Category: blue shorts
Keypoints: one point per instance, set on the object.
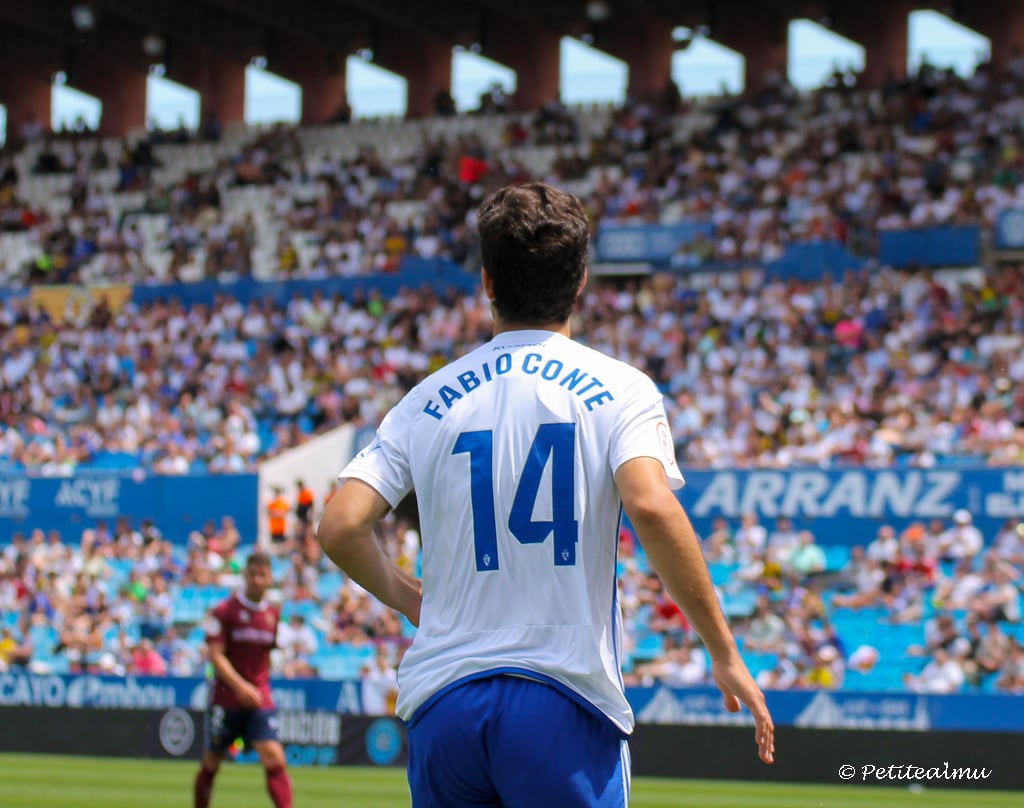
(224, 725)
(510, 742)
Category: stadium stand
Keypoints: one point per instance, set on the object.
(871, 366)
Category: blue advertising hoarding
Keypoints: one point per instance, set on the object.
(177, 505)
(811, 260)
(416, 272)
(846, 506)
(652, 705)
(842, 506)
(647, 242)
(823, 709)
(930, 246)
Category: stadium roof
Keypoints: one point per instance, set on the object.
(46, 35)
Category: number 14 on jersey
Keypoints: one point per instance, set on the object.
(555, 443)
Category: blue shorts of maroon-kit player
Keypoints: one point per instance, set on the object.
(224, 725)
(505, 741)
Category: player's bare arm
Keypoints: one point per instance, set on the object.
(675, 554)
(247, 693)
(346, 534)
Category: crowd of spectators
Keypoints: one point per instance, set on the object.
(876, 368)
(935, 605)
(110, 603)
(767, 170)
(871, 369)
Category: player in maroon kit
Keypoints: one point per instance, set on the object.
(240, 634)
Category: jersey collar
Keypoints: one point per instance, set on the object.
(250, 604)
(526, 336)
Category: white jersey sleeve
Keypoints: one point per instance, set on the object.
(384, 464)
(642, 430)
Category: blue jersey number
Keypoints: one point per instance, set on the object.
(556, 442)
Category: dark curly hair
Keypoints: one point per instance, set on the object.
(533, 240)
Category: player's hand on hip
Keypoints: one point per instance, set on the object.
(250, 695)
(738, 686)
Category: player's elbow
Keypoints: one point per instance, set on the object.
(349, 518)
(338, 530)
(651, 507)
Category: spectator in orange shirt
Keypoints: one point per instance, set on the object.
(277, 513)
(304, 506)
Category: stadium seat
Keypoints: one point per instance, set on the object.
(721, 574)
(329, 584)
(649, 647)
(836, 557)
(343, 662)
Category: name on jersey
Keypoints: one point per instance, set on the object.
(584, 385)
(250, 634)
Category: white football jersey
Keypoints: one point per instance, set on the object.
(512, 451)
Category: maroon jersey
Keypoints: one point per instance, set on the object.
(248, 631)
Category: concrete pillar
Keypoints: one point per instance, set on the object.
(1002, 21)
(532, 51)
(645, 44)
(324, 95)
(121, 90)
(219, 81)
(882, 28)
(424, 63)
(762, 36)
(28, 97)
(320, 74)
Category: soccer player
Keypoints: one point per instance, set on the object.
(240, 634)
(522, 454)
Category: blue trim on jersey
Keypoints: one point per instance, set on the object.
(564, 689)
(615, 600)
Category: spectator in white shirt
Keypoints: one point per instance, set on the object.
(750, 539)
(942, 674)
(963, 540)
(298, 642)
(1009, 544)
(682, 666)
(885, 547)
(379, 687)
(1000, 599)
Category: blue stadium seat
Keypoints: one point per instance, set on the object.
(188, 606)
(649, 646)
(210, 596)
(721, 574)
(758, 661)
(344, 662)
(740, 604)
(44, 639)
(308, 609)
(329, 584)
(836, 557)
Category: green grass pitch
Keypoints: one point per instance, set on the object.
(34, 781)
